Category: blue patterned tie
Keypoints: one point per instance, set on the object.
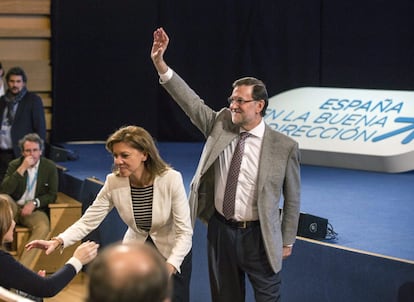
(233, 176)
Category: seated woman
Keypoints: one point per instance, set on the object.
(13, 275)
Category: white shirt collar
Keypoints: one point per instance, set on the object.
(258, 130)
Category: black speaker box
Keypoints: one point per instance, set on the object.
(311, 226)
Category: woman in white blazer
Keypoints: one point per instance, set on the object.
(150, 198)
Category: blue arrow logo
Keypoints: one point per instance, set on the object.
(410, 127)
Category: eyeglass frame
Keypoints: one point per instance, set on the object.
(240, 102)
(32, 150)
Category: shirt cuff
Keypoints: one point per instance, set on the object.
(165, 77)
(75, 263)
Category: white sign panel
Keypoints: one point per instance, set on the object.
(350, 128)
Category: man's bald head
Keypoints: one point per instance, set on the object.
(128, 272)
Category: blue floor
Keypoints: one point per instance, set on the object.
(371, 212)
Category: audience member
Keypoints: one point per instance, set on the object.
(247, 232)
(21, 112)
(128, 272)
(150, 198)
(30, 184)
(13, 275)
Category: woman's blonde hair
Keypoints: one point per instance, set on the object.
(139, 138)
(6, 218)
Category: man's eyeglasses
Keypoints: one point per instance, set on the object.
(239, 102)
(31, 150)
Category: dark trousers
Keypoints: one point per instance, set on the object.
(181, 281)
(233, 253)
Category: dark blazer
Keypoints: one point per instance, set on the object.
(15, 275)
(279, 171)
(29, 118)
(47, 182)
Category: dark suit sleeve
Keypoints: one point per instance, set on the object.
(30, 117)
(38, 117)
(21, 278)
(13, 183)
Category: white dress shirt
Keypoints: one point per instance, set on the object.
(246, 192)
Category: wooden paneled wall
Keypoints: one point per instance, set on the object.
(25, 33)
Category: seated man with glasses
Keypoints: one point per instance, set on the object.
(30, 184)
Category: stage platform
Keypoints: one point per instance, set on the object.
(372, 258)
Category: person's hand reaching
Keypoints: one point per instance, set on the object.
(48, 245)
(86, 252)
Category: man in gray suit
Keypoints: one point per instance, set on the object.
(257, 235)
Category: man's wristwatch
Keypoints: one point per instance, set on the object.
(36, 203)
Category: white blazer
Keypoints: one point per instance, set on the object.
(171, 228)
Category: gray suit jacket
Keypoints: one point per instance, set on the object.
(279, 171)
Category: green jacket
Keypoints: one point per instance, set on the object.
(47, 182)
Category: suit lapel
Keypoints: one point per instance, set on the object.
(20, 108)
(217, 147)
(269, 148)
(217, 141)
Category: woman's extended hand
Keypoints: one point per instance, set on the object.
(171, 269)
(48, 245)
